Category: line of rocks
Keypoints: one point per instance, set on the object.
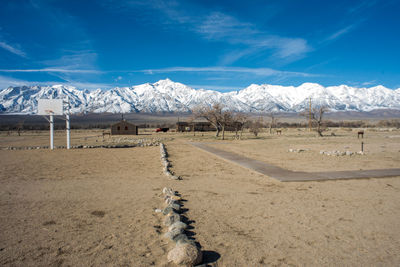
(81, 146)
(166, 163)
(340, 153)
(185, 252)
(297, 150)
(132, 140)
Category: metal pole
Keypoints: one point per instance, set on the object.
(67, 126)
(51, 132)
(68, 131)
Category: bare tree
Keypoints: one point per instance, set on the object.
(273, 122)
(239, 120)
(20, 127)
(316, 115)
(226, 120)
(256, 126)
(215, 115)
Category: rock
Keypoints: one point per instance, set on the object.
(185, 254)
(174, 206)
(170, 201)
(172, 218)
(179, 225)
(168, 210)
(182, 239)
(173, 233)
(174, 197)
(167, 190)
(349, 153)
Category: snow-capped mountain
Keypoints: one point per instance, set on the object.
(169, 96)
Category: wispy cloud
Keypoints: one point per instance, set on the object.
(57, 70)
(369, 83)
(341, 32)
(255, 71)
(222, 27)
(220, 88)
(9, 81)
(73, 59)
(362, 6)
(12, 49)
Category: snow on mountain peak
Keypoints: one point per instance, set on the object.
(169, 96)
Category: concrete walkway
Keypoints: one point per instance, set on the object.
(284, 175)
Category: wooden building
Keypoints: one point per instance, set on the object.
(124, 128)
(200, 126)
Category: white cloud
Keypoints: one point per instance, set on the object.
(221, 27)
(13, 49)
(56, 70)
(8, 81)
(255, 71)
(5, 82)
(340, 32)
(216, 87)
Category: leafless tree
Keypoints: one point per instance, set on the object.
(316, 115)
(226, 120)
(256, 126)
(20, 126)
(215, 115)
(239, 120)
(273, 122)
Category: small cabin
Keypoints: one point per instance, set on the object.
(124, 128)
(198, 126)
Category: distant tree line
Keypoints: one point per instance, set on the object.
(221, 119)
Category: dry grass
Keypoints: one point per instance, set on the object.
(95, 206)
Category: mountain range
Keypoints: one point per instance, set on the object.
(168, 96)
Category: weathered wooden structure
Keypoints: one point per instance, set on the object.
(200, 126)
(124, 128)
(360, 133)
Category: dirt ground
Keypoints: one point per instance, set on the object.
(95, 207)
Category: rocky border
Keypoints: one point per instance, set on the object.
(166, 163)
(340, 153)
(81, 146)
(185, 252)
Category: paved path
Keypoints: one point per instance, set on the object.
(284, 175)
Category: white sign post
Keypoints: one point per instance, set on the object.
(67, 126)
(51, 107)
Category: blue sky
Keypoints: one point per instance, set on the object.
(219, 45)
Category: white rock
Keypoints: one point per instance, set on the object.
(185, 254)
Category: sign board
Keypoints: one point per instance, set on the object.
(50, 107)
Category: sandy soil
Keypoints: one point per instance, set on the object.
(382, 150)
(251, 220)
(81, 208)
(94, 207)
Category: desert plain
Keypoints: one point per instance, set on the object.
(95, 206)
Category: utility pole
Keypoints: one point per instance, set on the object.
(309, 119)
